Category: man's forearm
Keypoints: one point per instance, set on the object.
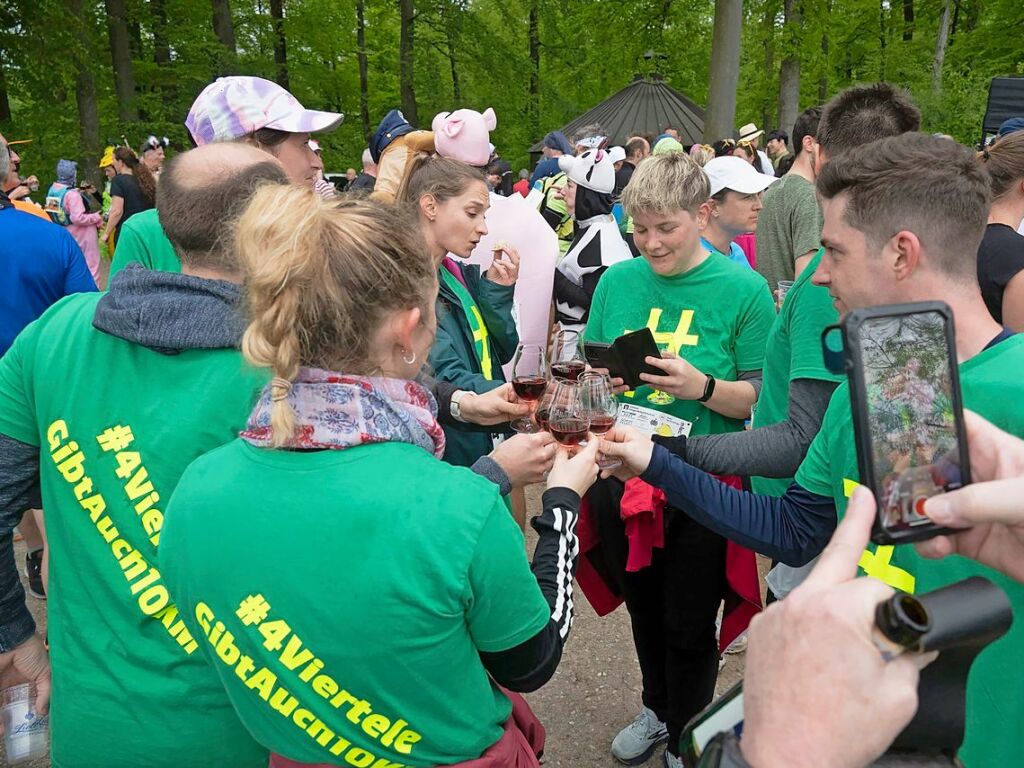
(19, 483)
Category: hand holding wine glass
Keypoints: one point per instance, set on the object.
(601, 407)
(568, 420)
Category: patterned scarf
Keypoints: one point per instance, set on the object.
(336, 411)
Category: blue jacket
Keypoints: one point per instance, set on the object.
(453, 357)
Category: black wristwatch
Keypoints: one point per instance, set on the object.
(709, 389)
(723, 751)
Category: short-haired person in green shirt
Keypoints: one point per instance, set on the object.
(361, 601)
(710, 316)
(903, 220)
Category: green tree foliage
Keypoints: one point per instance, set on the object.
(588, 49)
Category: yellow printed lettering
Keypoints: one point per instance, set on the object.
(153, 599)
(106, 528)
(127, 462)
(138, 485)
(83, 488)
(302, 718)
(120, 548)
(375, 725)
(291, 656)
(245, 666)
(263, 682)
(56, 433)
(359, 709)
(340, 745)
(153, 521)
(214, 636)
(133, 564)
(876, 564)
(147, 502)
(283, 702)
(73, 469)
(168, 614)
(307, 674)
(62, 453)
(226, 649)
(145, 581)
(274, 633)
(388, 738)
(95, 506)
(405, 741)
(325, 685)
(360, 758)
(204, 615)
(320, 732)
(343, 697)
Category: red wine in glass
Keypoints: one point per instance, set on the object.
(529, 388)
(601, 422)
(570, 371)
(542, 417)
(569, 431)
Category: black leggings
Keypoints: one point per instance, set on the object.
(672, 606)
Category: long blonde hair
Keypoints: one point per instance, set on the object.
(321, 277)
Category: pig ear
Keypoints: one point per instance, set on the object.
(490, 120)
(438, 122)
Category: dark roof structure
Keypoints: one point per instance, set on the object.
(643, 106)
(1005, 100)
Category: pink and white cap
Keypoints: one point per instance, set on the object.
(233, 107)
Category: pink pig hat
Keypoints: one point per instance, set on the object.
(464, 135)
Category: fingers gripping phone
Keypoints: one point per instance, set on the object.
(907, 411)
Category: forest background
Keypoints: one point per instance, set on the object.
(76, 75)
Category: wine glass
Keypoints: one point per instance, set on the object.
(529, 380)
(567, 358)
(602, 407)
(567, 421)
(544, 404)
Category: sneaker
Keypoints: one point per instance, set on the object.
(34, 574)
(739, 645)
(672, 761)
(635, 743)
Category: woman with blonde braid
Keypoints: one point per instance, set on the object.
(361, 601)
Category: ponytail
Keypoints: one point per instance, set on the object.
(142, 174)
(1004, 162)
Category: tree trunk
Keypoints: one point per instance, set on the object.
(161, 47)
(406, 60)
(5, 103)
(823, 76)
(883, 37)
(789, 72)
(908, 20)
(85, 90)
(940, 47)
(364, 85)
(534, 106)
(223, 27)
(449, 33)
(768, 22)
(121, 55)
(280, 43)
(725, 70)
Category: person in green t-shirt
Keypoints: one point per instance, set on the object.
(710, 317)
(142, 241)
(903, 219)
(407, 599)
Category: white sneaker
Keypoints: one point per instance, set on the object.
(671, 761)
(635, 743)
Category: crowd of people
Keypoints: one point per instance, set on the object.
(266, 477)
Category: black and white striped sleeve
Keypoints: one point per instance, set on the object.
(529, 665)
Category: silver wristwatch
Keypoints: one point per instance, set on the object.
(455, 407)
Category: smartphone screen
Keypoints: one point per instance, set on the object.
(912, 414)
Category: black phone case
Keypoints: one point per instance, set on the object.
(625, 357)
(850, 326)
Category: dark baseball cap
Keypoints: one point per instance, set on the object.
(391, 127)
(1012, 125)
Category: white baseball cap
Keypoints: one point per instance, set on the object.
(736, 174)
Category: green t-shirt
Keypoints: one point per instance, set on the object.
(116, 424)
(788, 227)
(995, 709)
(793, 352)
(142, 240)
(716, 315)
(344, 598)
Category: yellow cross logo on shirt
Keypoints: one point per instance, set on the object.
(672, 341)
(877, 564)
(480, 339)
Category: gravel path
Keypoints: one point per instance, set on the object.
(594, 693)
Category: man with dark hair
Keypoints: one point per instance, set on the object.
(777, 147)
(903, 221)
(861, 114)
(637, 149)
(162, 350)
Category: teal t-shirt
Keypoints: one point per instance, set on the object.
(793, 352)
(992, 386)
(143, 241)
(716, 315)
(116, 425)
(344, 598)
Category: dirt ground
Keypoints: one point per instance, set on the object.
(594, 693)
